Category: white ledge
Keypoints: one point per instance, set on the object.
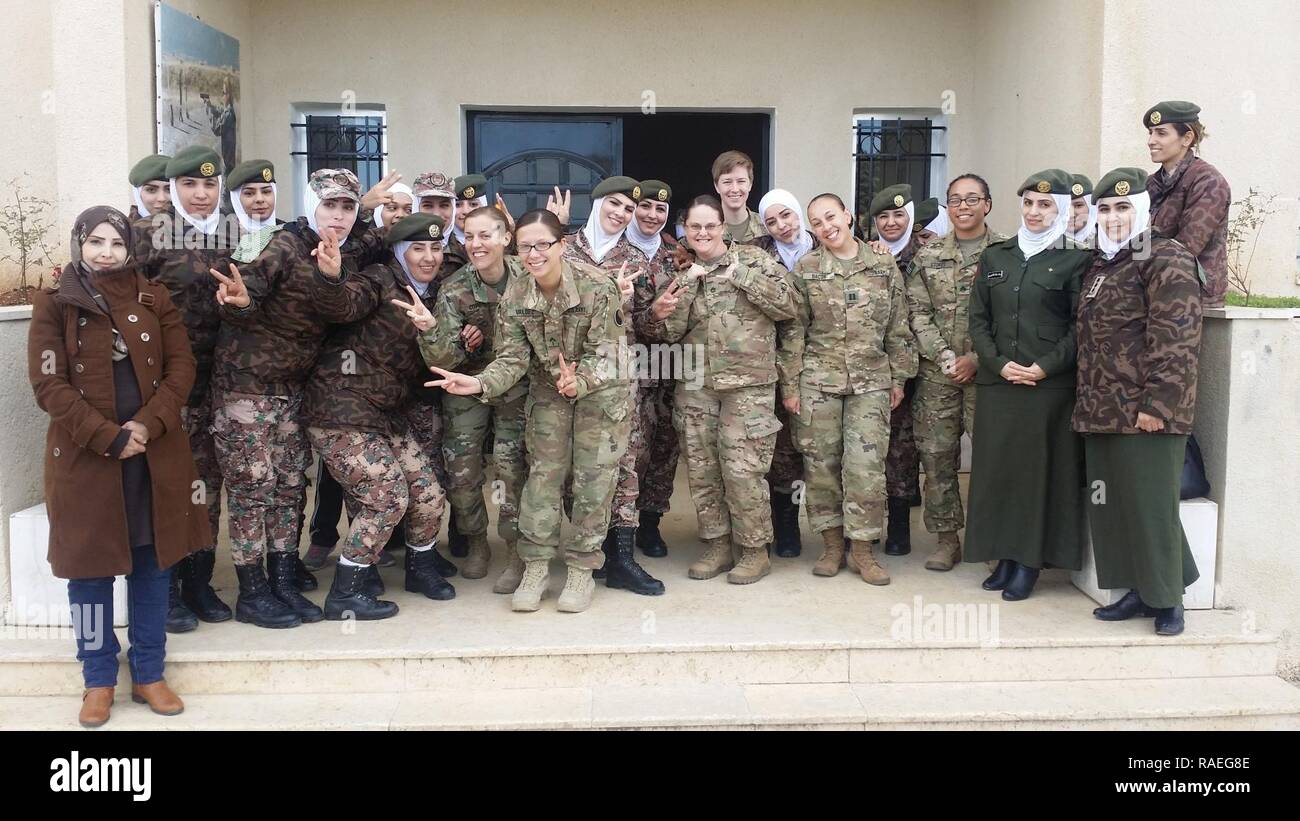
(15, 312)
(1238, 312)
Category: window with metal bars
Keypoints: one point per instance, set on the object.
(355, 143)
(889, 151)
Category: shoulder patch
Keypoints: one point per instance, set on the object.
(252, 245)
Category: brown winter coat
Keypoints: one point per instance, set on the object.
(69, 356)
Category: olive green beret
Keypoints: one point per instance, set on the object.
(195, 161)
(895, 196)
(617, 185)
(152, 167)
(419, 227)
(1080, 185)
(258, 171)
(1051, 181)
(655, 190)
(1171, 111)
(470, 186)
(1120, 183)
(926, 211)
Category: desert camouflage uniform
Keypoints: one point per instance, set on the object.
(751, 229)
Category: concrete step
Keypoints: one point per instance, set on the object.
(1235, 702)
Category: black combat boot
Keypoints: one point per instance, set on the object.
(195, 571)
(785, 525)
(1021, 583)
(459, 544)
(302, 577)
(647, 535)
(998, 579)
(180, 619)
(372, 582)
(347, 599)
(443, 565)
(607, 547)
(422, 575)
(280, 568)
(898, 541)
(621, 570)
(257, 604)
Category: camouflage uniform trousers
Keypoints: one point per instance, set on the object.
(197, 422)
(787, 463)
(388, 480)
(903, 464)
(263, 454)
(468, 424)
(728, 438)
(661, 447)
(844, 439)
(427, 426)
(623, 510)
(942, 413)
(578, 444)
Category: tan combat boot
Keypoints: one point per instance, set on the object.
(578, 588)
(509, 578)
(528, 595)
(868, 567)
(478, 558)
(947, 554)
(753, 565)
(832, 558)
(717, 559)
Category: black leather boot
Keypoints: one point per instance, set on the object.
(195, 571)
(457, 540)
(621, 570)
(606, 547)
(347, 599)
(647, 535)
(422, 575)
(257, 604)
(180, 619)
(898, 541)
(1169, 620)
(280, 569)
(785, 525)
(443, 565)
(1000, 576)
(1021, 583)
(373, 583)
(302, 577)
(1130, 606)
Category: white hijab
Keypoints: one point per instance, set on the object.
(313, 202)
(789, 251)
(601, 243)
(139, 201)
(1031, 243)
(397, 188)
(1141, 221)
(399, 251)
(1084, 234)
(205, 225)
(248, 223)
(648, 244)
(896, 247)
(479, 202)
(940, 225)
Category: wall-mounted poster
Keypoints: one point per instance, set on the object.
(197, 70)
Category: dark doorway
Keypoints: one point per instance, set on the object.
(525, 155)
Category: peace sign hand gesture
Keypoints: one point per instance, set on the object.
(558, 204)
(416, 310)
(231, 290)
(379, 194)
(329, 259)
(627, 282)
(666, 302)
(567, 384)
(456, 383)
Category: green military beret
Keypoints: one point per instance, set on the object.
(258, 171)
(470, 186)
(152, 167)
(195, 161)
(419, 227)
(926, 211)
(657, 190)
(617, 185)
(1080, 185)
(1051, 181)
(1171, 111)
(1120, 183)
(895, 196)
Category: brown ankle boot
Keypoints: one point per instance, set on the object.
(96, 704)
(832, 558)
(868, 567)
(159, 697)
(754, 564)
(717, 559)
(947, 554)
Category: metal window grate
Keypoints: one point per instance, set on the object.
(889, 152)
(354, 143)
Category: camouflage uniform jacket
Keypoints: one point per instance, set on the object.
(1191, 206)
(454, 257)
(368, 367)
(939, 282)
(269, 348)
(1139, 332)
(852, 334)
(733, 320)
(751, 229)
(582, 319)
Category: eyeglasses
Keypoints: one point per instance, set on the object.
(696, 228)
(541, 247)
(971, 201)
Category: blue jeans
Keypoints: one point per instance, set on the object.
(147, 588)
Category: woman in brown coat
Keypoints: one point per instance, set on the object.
(110, 362)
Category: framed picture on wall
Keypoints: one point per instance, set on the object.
(196, 69)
